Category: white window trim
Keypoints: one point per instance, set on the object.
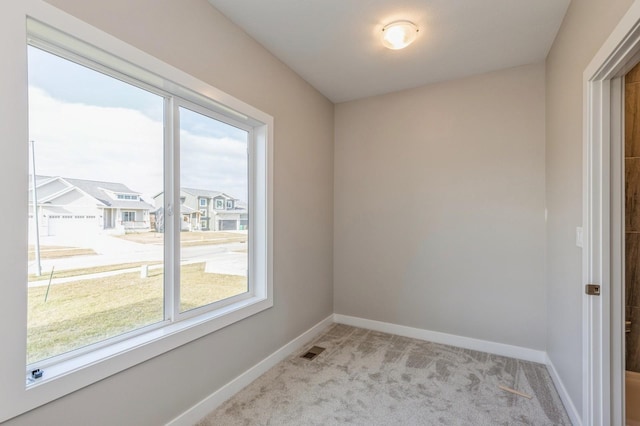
(72, 374)
(128, 213)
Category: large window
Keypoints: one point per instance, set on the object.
(121, 266)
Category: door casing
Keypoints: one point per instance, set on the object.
(603, 222)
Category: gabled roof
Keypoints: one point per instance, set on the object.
(98, 190)
(204, 193)
(186, 209)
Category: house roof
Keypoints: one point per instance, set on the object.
(100, 191)
(186, 209)
(204, 193)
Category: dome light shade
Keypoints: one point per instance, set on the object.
(399, 34)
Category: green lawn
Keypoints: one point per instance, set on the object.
(83, 312)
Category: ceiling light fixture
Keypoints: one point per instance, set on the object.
(399, 34)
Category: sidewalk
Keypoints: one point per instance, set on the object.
(228, 263)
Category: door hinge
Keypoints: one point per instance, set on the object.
(592, 289)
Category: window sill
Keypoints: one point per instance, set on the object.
(72, 374)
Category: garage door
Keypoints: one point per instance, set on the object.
(228, 225)
(61, 225)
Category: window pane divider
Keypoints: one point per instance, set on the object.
(172, 210)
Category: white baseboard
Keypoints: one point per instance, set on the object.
(446, 339)
(574, 416)
(210, 403)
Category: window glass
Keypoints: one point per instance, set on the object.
(128, 216)
(213, 249)
(95, 260)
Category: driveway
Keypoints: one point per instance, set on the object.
(110, 250)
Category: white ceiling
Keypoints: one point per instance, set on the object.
(336, 46)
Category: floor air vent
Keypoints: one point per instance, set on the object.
(313, 352)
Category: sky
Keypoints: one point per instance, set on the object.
(87, 125)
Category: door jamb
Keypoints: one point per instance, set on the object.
(603, 220)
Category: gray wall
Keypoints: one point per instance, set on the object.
(192, 36)
(585, 28)
(439, 200)
(439, 207)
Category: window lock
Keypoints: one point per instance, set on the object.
(37, 373)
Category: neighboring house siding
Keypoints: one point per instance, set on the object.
(158, 201)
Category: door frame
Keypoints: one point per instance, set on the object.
(603, 222)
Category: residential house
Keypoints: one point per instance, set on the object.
(207, 210)
(448, 209)
(69, 206)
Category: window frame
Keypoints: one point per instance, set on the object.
(177, 104)
(46, 23)
(127, 197)
(129, 214)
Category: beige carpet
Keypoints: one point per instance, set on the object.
(370, 378)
